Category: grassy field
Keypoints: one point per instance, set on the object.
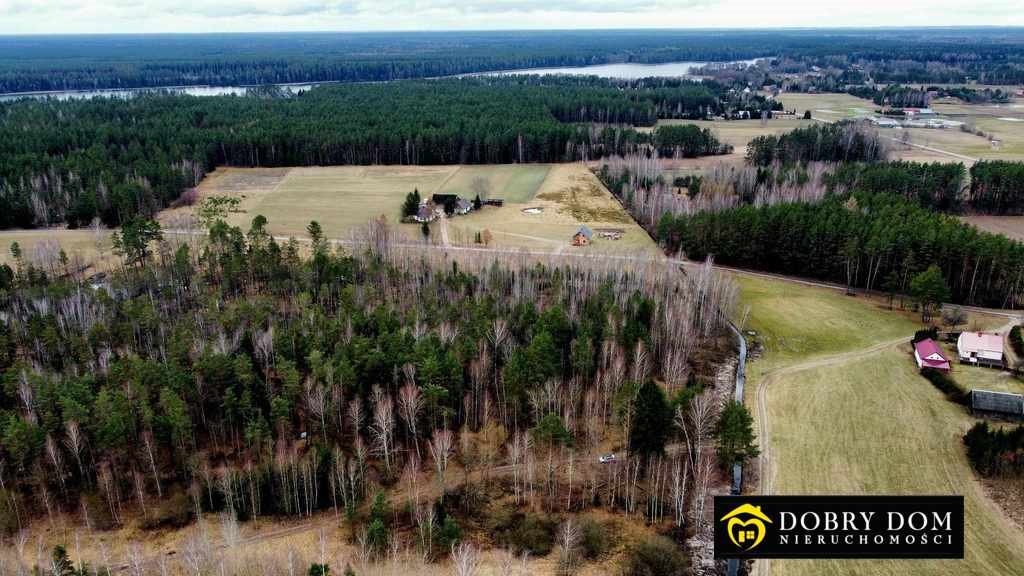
(827, 106)
(798, 322)
(874, 426)
(343, 198)
(1010, 226)
(40, 246)
(847, 422)
(515, 183)
(569, 196)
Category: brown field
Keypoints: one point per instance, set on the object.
(1010, 226)
(344, 198)
(738, 133)
(84, 248)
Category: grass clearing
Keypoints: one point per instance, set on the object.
(875, 426)
(827, 105)
(515, 183)
(44, 245)
(570, 196)
(1009, 226)
(866, 423)
(796, 322)
(344, 198)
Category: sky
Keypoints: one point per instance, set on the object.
(154, 16)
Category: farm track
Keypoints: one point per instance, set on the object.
(766, 465)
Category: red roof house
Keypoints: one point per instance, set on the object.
(929, 355)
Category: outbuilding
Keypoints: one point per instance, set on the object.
(582, 237)
(980, 348)
(929, 355)
(998, 403)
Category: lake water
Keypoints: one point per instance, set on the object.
(625, 70)
(129, 92)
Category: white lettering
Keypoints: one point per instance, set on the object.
(923, 521)
(787, 522)
(809, 527)
(941, 522)
(893, 527)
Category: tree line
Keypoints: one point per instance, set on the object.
(871, 240)
(837, 142)
(115, 158)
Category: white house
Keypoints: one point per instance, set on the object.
(980, 348)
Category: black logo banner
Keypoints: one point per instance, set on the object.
(839, 527)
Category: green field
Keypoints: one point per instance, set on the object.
(797, 322)
(875, 426)
(846, 412)
(342, 198)
(827, 105)
(515, 183)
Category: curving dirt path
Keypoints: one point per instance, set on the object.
(766, 465)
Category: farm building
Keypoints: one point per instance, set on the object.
(980, 348)
(582, 237)
(463, 206)
(426, 213)
(1002, 403)
(929, 355)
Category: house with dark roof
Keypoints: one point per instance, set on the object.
(425, 213)
(998, 403)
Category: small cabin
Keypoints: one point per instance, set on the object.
(582, 237)
(928, 355)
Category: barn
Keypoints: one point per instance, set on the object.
(980, 348)
(929, 355)
(1001, 403)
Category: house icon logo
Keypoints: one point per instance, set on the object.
(745, 526)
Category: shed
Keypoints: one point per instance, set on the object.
(929, 355)
(582, 237)
(980, 348)
(1003, 403)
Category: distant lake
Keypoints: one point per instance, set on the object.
(129, 92)
(624, 70)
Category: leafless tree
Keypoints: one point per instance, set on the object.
(383, 428)
(410, 405)
(441, 447)
(466, 559)
(569, 538)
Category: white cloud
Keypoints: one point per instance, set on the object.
(83, 16)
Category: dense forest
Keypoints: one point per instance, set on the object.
(43, 63)
(871, 240)
(838, 142)
(238, 375)
(113, 158)
(997, 187)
